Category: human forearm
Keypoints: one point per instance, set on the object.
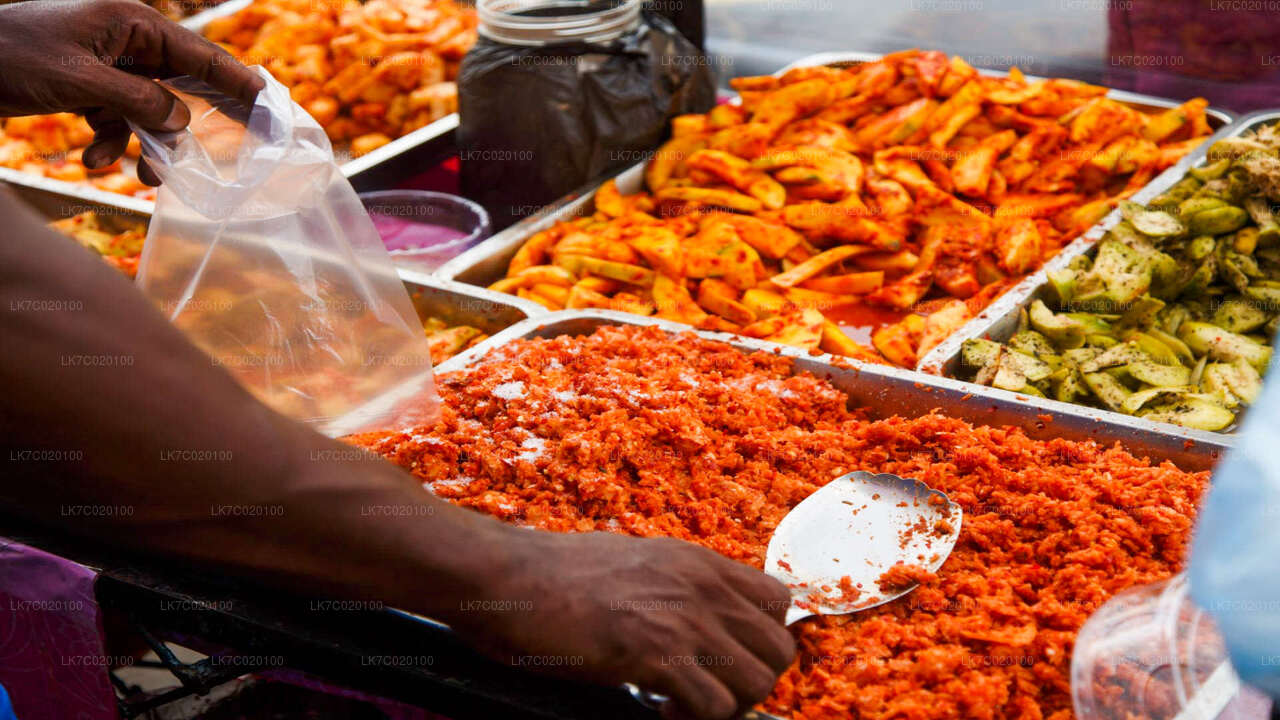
(117, 427)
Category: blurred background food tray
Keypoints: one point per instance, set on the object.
(440, 303)
(380, 169)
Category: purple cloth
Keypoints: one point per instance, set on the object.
(1225, 50)
(52, 658)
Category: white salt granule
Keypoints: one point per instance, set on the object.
(534, 447)
(457, 483)
(509, 390)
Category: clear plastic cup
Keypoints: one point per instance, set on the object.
(1150, 653)
(423, 230)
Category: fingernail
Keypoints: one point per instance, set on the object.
(92, 157)
(178, 118)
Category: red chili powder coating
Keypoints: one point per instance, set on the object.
(633, 431)
(902, 576)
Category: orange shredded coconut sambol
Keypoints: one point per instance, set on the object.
(633, 431)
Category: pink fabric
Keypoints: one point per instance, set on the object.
(1225, 50)
(52, 659)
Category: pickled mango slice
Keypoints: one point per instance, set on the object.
(1240, 316)
(1142, 398)
(1064, 331)
(1107, 389)
(1159, 374)
(1219, 344)
(1115, 356)
(978, 353)
(1193, 413)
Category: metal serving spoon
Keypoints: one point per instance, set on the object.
(856, 526)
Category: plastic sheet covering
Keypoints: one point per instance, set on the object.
(262, 253)
(1234, 572)
(52, 659)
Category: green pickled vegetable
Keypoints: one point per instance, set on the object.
(1217, 221)
(1240, 316)
(1172, 316)
(1159, 374)
(1220, 344)
(1193, 413)
(1064, 331)
(1107, 389)
(977, 354)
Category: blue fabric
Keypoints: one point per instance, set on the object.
(6, 708)
(1235, 558)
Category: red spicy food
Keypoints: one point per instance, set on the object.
(902, 576)
(633, 431)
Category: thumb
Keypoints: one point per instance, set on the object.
(139, 99)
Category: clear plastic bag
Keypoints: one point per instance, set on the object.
(262, 253)
(1150, 653)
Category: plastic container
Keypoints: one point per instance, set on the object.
(557, 94)
(423, 230)
(1150, 653)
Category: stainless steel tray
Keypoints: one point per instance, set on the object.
(459, 304)
(54, 205)
(377, 170)
(1000, 319)
(886, 391)
(487, 262)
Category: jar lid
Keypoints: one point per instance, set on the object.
(535, 23)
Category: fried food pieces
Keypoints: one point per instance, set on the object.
(367, 72)
(901, 183)
(51, 145)
(116, 238)
(445, 340)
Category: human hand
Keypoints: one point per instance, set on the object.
(667, 615)
(98, 58)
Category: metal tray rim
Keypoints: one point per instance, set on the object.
(202, 18)
(416, 277)
(943, 357)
